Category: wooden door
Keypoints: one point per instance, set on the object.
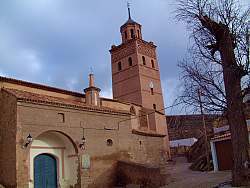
(224, 154)
(45, 171)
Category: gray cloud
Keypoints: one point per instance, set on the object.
(56, 42)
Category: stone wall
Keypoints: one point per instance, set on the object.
(143, 175)
(7, 140)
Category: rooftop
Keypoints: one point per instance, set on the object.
(29, 97)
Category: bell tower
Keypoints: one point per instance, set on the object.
(135, 69)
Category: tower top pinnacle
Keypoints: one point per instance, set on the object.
(128, 5)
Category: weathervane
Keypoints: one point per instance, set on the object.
(91, 70)
(128, 5)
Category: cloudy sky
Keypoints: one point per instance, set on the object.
(55, 42)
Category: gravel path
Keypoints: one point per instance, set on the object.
(183, 177)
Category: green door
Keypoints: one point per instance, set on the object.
(45, 171)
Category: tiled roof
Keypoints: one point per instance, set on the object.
(49, 88)
(129, 21)
(40, 86)
(225, 135)
(193, 116)
(222, 137)
(56, 101)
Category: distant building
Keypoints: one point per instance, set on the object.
(184, 130)
(189, 126)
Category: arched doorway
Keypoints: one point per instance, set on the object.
(58, 150)
(45, 171)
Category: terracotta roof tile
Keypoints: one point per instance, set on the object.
(45, 99)
(222, 137)
(40, 86)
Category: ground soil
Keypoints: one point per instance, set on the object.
(183, 177)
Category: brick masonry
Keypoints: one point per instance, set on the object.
(37, 119)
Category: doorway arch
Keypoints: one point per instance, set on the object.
(45, 171)
(60, 147)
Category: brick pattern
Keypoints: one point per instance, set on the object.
(39, 118)
(8, 130)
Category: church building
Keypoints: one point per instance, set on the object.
(51, 137)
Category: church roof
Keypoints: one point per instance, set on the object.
(56, 101)
(40, 86)
(129, 21)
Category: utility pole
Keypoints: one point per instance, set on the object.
(204, 127)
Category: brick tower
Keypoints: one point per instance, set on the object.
(135, 70)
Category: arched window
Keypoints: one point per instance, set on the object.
(154, 106)
(119, 66)
(109, 142)
(138, 33)
(126, 35)
(130, 63)
(143, 60)
(132, 33)
(153, 63)
(152, 91)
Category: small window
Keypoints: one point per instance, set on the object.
(119, 66)
(143, 60)
(61, 117)
(132, 33)
(109, 142)
(153, 63)
(126, 35)
(140, 142)
(138, 33)
(154, 106)
(132, 110)
(152, 91)
(130, 61)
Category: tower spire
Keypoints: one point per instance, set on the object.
(128, 5)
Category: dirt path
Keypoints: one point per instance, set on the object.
(183, 177)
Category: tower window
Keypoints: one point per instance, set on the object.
(153, 63)
(152, 91)
(126, 35)
(143, 60)
(130, 61)
(138, 33)
(132, 33)
(119, 66)
(154, 106)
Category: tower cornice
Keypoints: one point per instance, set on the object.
(124, 45)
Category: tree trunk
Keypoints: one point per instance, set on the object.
(235, 110)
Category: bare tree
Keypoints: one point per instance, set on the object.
(218, 64)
